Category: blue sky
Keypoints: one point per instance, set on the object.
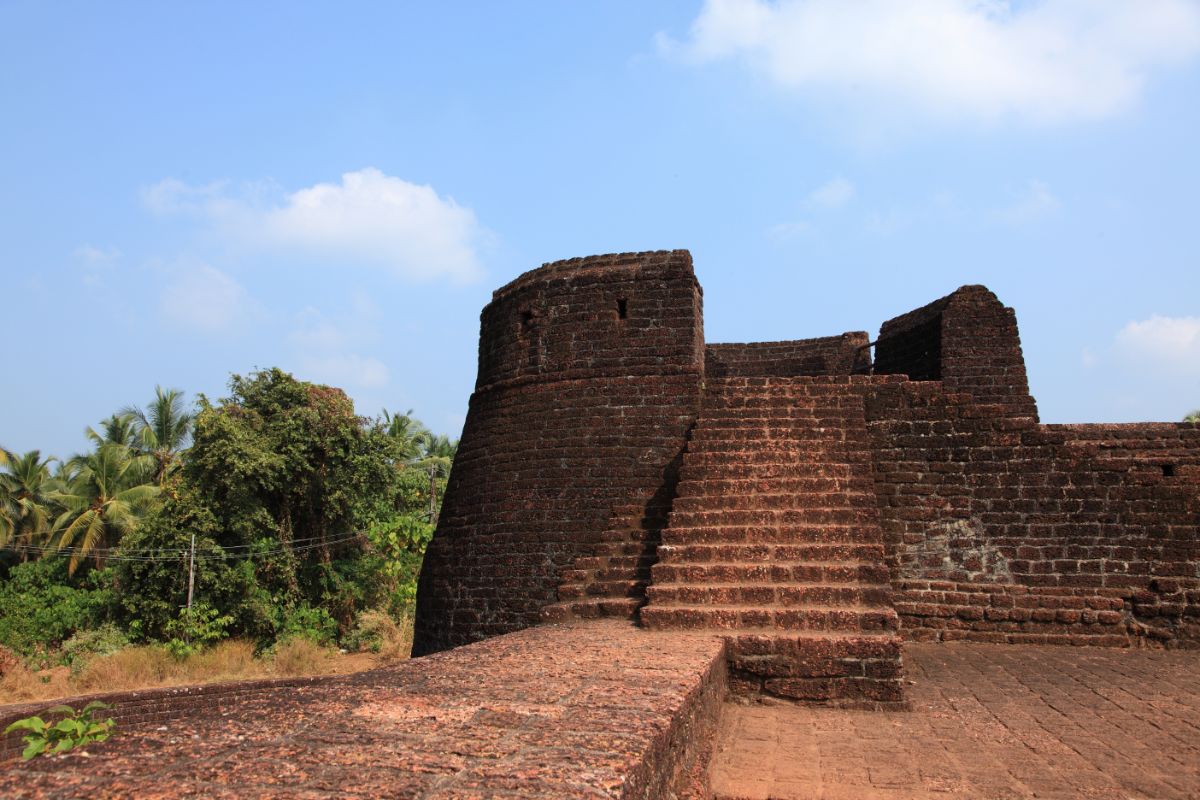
(190, 191)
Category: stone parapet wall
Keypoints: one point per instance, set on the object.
(1002, 530)
(847, 354)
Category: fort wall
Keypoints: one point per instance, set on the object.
(589, 379)
(993, 527)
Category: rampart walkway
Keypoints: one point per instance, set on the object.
(604, 710)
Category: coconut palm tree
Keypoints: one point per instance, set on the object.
(162, 430)
(1193, 417)
(408, 432)
(117, 429)
(110, 491)
(25, 484)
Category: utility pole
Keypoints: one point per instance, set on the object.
(191, 572)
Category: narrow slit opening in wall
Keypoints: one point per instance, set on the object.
(1168, 470)
(526, 320)
(622, 308)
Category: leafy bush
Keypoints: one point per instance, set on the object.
(195, 629)
(102, 641)
(75, 729)
(398, 544)
(40, 606)
(376, 632)
(305, 622)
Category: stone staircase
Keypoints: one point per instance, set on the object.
(774, 540)
(611, 582)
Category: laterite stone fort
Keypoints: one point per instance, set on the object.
(815, 504)
(644, 533)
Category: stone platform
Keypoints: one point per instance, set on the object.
(605, 710)
(987, 721)
(601, 710)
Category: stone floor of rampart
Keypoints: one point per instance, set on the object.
(987, 721)
(605, 710)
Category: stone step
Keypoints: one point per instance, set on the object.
(770, 534)
(591, 608)
(610, 550)
(786, 595)
(639, 569)
(863, 572)
(638, 513)
(815, 618)
(722, 551)
(609, 588)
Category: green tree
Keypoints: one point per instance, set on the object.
(289, 475)
(162, 430)
(107, 496)
(25, 504)
(117, 429)
(408, 433)
(1193, 417)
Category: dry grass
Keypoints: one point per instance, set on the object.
(146, 667)
(19, 683)
(300, 656)
(378, 633)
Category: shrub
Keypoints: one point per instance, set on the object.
(102, 641)
(305, 622)
(40, 606)
(74, 729)
(377, 632)
(196, 628)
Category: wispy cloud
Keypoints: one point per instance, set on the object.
(836, 193)
(205, 299)
(1036, 203)
(1167, 343)
(345, 370)
(366, 219)
(91, 254)
(1046, 62)
(327, 348)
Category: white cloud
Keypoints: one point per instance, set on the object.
(834, 194)
(326, 346)
(790, 230)
(171, 196)
(1171, 343)
(1037, 203)
(90, 254)
(346, 370)
(368, 219)
(1049, 61)
(205, 299)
